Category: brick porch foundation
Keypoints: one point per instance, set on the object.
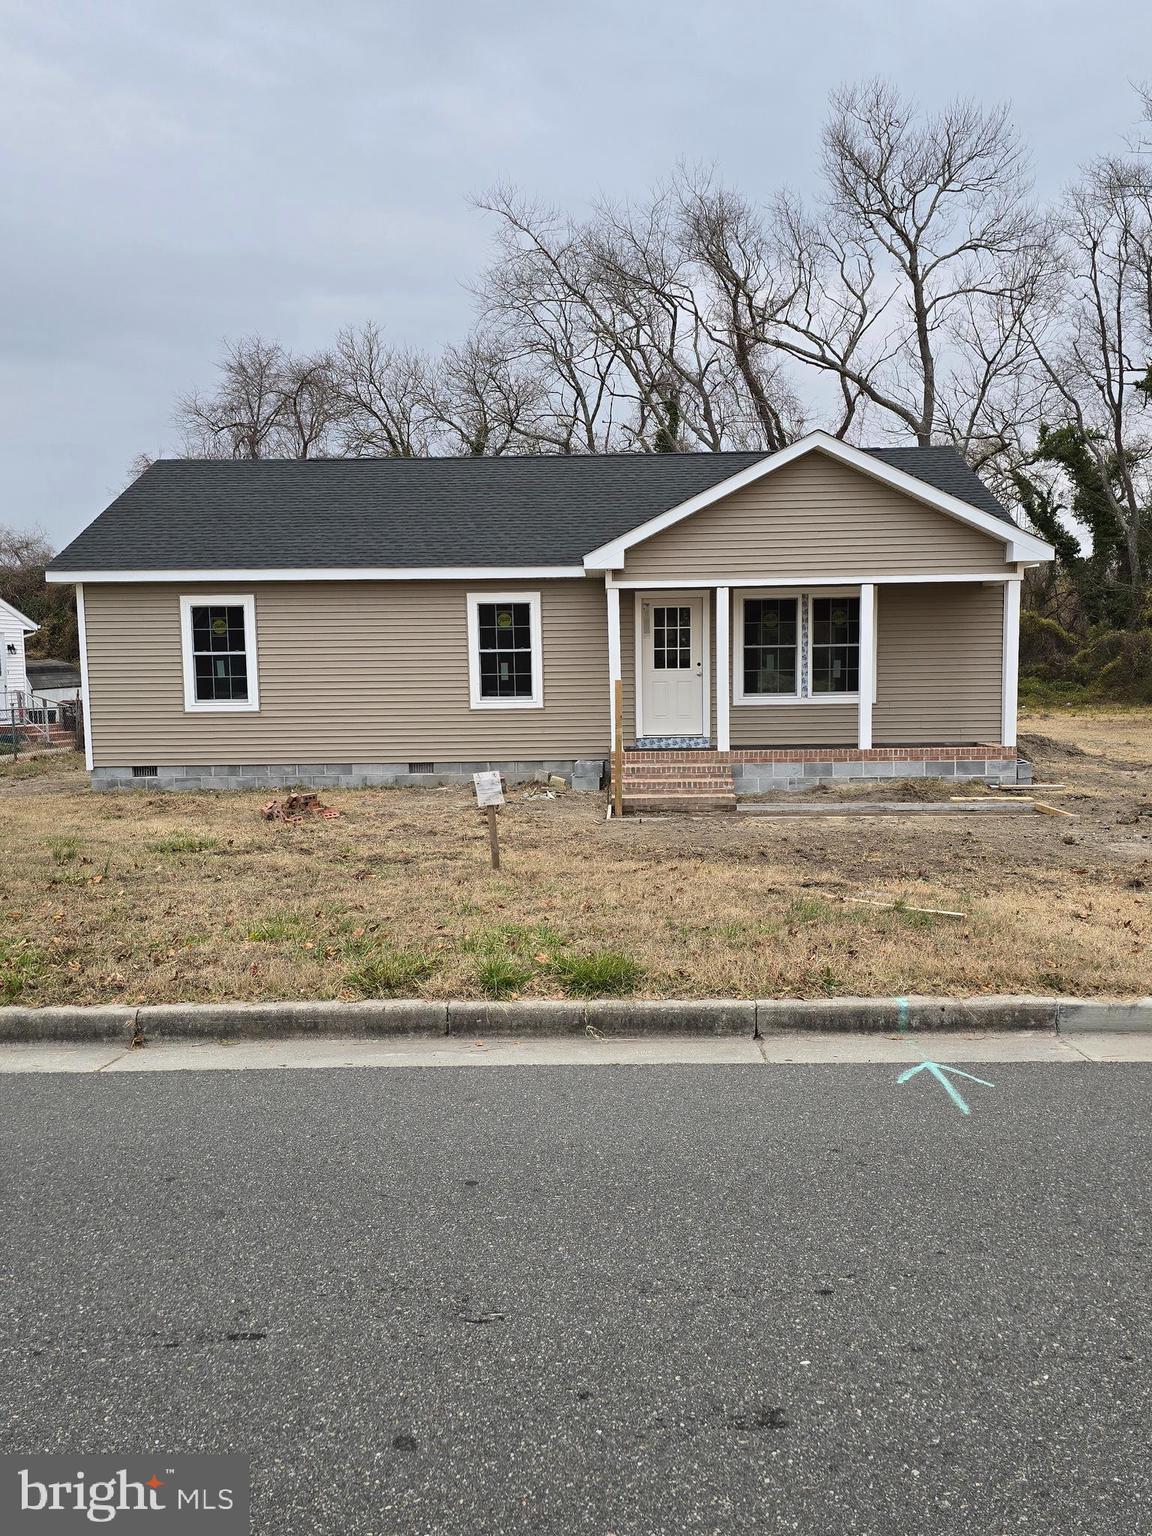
(756, 770)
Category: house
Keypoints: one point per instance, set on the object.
(764, 619)
(14, 625)
(53, 687)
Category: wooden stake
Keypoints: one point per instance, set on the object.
(618, 750)
(892, 906)
(1026, 789)
(1053, 810)
(493, 836)
(982, 800)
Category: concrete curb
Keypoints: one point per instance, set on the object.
(619, 1017)
(891, 1015)
(21, 1025)
(1077, 1016)
(270, 1021)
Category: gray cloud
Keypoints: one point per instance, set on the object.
(177, 173)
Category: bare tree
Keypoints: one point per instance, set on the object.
(539, 296)
(311, 407)
(267, 404)
(620, 313)
(240, 419)
(385, 393)
(480, 401)
(925, 233)
(745, 289)
(1097, 360)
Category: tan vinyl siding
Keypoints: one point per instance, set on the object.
(357, 672)
(938, 660)
(791, 725)
(815, 517)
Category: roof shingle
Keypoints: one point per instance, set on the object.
(213, 514)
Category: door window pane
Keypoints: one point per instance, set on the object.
(671, 639)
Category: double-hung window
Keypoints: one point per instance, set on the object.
(771, 632)
(218, 640)
(835, 665)
(505, 660)
(796, 645)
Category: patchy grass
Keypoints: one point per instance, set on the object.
(605, 974)
(277, 928)
(55, 765)
(143, 897)
(22, 970)
(388, 973)
(183, 842)
(501, 975)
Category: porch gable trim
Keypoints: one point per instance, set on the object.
(1019, 545)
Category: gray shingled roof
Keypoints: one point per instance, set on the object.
(45, 673)
(213, 514)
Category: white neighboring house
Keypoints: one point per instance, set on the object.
(50, 685)
(14, 690)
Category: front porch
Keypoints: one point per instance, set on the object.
(700, 778)
(720, 690)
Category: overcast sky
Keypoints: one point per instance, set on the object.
(179, 173)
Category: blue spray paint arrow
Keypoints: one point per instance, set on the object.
(938, 1072)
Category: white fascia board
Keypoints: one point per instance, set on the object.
(852, 579)
(22, 619)
(337, 573)
(1020, 545)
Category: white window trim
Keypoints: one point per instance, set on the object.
(476, 701)
(739, 695)
(193, 705)
(803, 694)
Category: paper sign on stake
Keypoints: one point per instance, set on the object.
(489, 789)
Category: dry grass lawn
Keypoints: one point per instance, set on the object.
(146, 897)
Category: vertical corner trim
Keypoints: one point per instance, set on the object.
(85, 687)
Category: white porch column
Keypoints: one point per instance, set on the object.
(867, 664)
(613, 594)
(1010, 662)
(723, 670)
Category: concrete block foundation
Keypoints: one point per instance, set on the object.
(583, 774)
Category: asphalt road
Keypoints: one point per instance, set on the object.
(630, 1300)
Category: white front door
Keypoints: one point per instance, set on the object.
(672, 665)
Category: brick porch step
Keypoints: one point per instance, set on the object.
(676, 782)
(654, 773)
(687, 783)
(680, 801)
